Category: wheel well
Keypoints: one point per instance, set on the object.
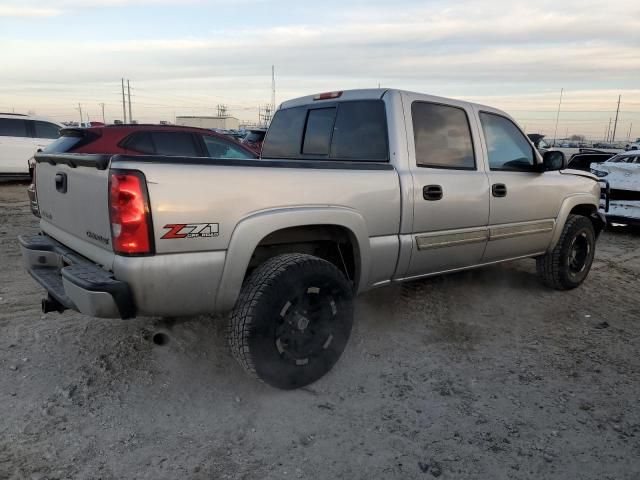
(591, 212)
(333, 243)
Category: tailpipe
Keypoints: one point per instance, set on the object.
(50, 304)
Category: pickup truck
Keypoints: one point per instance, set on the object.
(354, 190)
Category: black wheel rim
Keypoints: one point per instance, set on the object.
(579, 252)
(306, 325)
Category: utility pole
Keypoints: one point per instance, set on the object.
(80, 110)
(124, 108)
(555, 132)
(102, 106)
(615, 125)
(273, 87)
(129, 95)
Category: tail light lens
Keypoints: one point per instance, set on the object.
(31, 189)
(131, 228)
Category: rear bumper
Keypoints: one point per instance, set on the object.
(73, 281)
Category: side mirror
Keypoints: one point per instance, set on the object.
(553, 160)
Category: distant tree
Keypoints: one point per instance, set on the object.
(577, 138)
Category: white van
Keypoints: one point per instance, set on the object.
(20, 137)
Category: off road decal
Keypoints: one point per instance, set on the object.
(191, 230)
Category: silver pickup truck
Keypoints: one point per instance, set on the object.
(354, 190)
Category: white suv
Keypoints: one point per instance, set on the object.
(20, 137)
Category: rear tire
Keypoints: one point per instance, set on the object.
(568, 264)
(292, 320)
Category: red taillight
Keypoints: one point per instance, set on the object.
(31, 189)
(131, 229)
(328, 95)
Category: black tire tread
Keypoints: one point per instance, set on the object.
(549, 265)
(242, 316)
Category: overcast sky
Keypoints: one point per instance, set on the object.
(184, 57)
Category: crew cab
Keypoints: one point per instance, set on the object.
(354, 190)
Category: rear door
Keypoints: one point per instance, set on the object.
(451, 189)
(16, 146)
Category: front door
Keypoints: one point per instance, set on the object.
(524, 201)
(450, 186)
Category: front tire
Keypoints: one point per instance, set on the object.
(292, 320)
(568, 264)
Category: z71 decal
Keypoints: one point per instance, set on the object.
(191, 230)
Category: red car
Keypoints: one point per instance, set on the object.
(169, 140)
(149, 140)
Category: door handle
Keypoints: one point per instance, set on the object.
(432, 192)
(499, 190)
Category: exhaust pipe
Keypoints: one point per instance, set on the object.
(50, 304)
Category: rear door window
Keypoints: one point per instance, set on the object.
(442, 136)
(13, 127)
(175, 143)
(140, 142)
(46, 130)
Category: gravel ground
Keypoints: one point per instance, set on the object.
(484, 374)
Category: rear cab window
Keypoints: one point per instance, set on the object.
(354, 130)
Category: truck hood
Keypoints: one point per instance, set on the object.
(579, 173)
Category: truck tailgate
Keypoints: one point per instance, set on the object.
(73, 192)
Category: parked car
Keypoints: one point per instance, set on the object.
(354, 190)
(142, 139)
(586, 157)
(20, 137)
(623, 174)
(254, 139)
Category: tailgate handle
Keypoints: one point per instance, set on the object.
(61, 182)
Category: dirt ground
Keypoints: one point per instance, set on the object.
(484, 374)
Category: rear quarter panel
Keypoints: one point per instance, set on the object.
(225, 195)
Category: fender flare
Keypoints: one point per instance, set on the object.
(250, 231)
(569, 204)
